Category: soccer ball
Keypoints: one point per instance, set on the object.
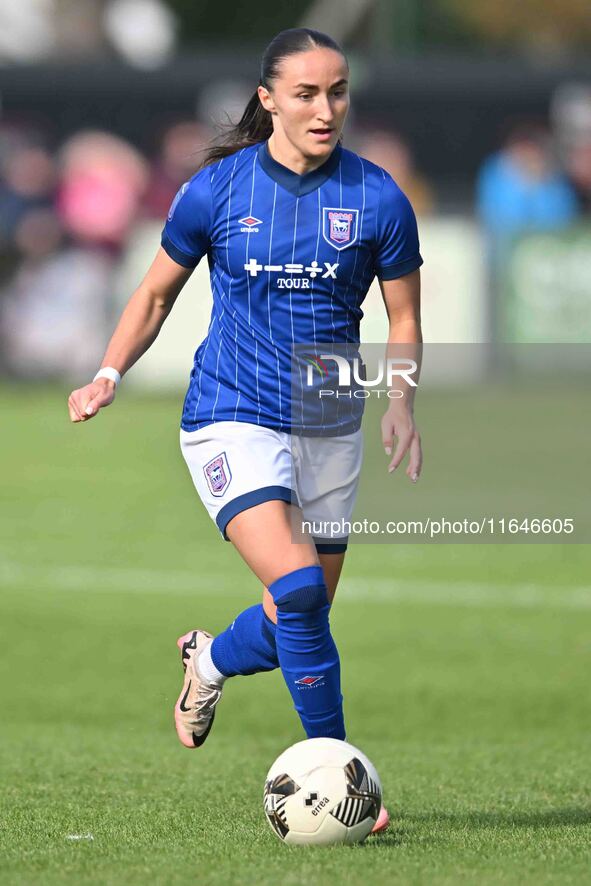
(322, 791)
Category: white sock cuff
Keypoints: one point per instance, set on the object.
(207, 669)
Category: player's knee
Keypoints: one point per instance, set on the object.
(303, 590)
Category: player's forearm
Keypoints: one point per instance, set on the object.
(405, 330)
(137, 329)
(405, 340)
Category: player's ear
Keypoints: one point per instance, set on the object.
(266, 99)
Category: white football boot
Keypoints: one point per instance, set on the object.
(195, 709)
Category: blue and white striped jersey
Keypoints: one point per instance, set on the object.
(291, 258)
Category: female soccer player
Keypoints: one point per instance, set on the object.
(295, 227)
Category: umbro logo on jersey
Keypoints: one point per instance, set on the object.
(250, 224)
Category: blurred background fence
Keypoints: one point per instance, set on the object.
(481, 112)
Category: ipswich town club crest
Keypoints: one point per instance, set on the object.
(217, 473)
(339, 226)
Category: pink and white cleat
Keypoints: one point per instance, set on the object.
(382, 822)
(195, 709)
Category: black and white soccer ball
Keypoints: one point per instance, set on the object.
(322, 791)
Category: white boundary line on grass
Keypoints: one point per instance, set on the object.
(183, 581)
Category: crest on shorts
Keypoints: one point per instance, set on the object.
(339, 226)
(218, 474)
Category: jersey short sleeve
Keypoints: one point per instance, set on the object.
(186, 234)
(397, 239)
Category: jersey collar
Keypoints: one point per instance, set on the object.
(298, 185)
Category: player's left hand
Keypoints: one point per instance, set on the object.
(399, 422)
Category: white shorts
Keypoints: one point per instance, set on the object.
(237, 465)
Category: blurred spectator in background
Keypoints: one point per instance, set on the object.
(27, 181)
(392, 153)
(179, 159)
(53, 311)
(578, 168)
(570, 111)
(102, 181)
(521, 188)
(68, 225)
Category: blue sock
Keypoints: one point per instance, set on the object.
(247, 646)
(307, 653)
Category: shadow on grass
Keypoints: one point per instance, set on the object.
(568, 815)
(399, 831)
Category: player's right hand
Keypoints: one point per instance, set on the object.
(85, 402)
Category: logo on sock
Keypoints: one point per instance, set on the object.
(309, 681)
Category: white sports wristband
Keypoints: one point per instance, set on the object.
(108, 372)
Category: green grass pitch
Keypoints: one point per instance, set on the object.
(465, 671)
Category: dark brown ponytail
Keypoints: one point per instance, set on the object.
(256, 124)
